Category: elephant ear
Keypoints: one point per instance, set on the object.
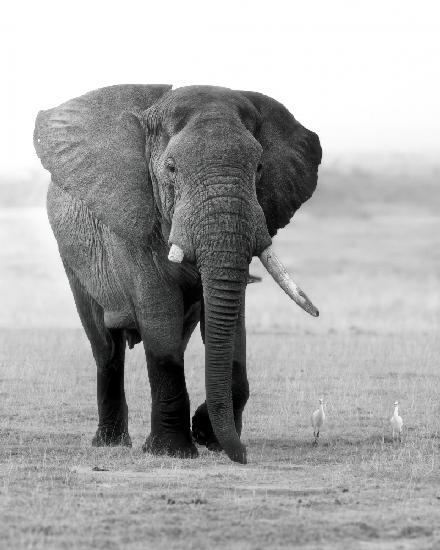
(291, 156)
(94, 146)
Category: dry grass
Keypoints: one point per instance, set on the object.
(374, 272)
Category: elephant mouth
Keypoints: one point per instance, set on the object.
(276, 269)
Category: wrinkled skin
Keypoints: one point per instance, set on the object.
(214, 171)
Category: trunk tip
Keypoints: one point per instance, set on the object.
(238, 454)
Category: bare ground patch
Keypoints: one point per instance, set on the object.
(357, 489)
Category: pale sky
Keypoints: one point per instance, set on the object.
(363, 75)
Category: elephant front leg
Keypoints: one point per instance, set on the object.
(170, 412)
(201, 424)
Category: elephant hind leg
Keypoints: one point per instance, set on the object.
(112, 405)
(108, 348)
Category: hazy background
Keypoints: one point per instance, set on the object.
(364, 76)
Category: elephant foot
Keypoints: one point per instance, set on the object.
(202, 429)
(107, 437)
(176, 445)
(214, 446)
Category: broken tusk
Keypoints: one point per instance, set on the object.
(281, 276)
(175, 254)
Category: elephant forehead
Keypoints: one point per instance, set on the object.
(210, 102)
(209, 138)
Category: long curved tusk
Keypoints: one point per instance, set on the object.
(274, 266)
(175, 254)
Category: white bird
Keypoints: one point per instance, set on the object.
(318, 419)
(396, 421)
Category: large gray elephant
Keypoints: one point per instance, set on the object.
(159, 199)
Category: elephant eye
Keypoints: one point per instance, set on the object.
(259, 168)
(170, 165)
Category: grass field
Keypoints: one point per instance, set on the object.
(367, 251)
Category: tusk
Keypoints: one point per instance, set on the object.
(175, 254)
(274, 266)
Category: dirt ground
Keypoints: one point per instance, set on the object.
(367, 251)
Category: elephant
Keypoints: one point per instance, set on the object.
(159, 199)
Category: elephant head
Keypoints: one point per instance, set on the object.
(214, 172)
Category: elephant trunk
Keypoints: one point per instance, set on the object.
(230, 229)
(222, 306)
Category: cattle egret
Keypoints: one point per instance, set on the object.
(396, 422)
(318, 419)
